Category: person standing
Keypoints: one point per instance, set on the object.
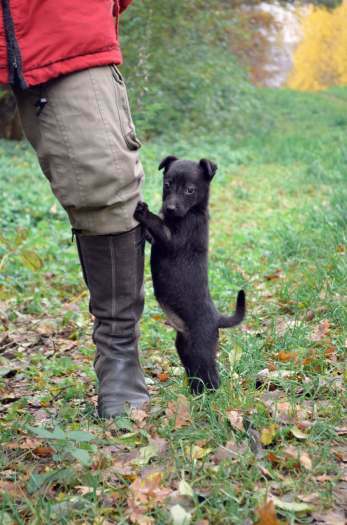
(61, 60)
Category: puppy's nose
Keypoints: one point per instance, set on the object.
(171, 208)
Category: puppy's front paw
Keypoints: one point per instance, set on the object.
(141, 211)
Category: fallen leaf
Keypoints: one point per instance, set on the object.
(330, 518)
(163, 377)
(145, 455)
(231, 450)
(340, 453)
(321, 331)
(180, 411)
(145, 493)
(84, 490)
(159, 443)
(197, 452)
(47, 327)
(285, 357)
(11, 489)
(291, 506)
(27, 444)
(267, 376)
(323, 478)
(298, 433)
(43, 452)
(330, 353)
(179, 515)
(267, 515)
(273, 458)
(277, 274)
(301, 456)
(138, 416)
(265, 471)
(185, 489)
(235, 420)
(310, 498)
(268, 434)
(283, 324)
(310, 315)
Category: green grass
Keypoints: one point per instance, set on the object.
(278, 229)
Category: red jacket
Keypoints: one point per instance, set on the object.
(42, 39)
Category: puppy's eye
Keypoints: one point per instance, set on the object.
(189, 190)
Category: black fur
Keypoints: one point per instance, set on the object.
(179, 264)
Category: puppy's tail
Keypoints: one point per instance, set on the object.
(237, 318)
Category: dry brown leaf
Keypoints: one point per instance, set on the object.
(28, 444)
(309, 498)
(267, 515)
(283, 324)
(310, 315)
(273, 458)
(84, 489)
(43, 452)
(341, 453)
(146, 493)
(281, 411)
(138, 416)
(324, 477)
(163, 377)
(303, 458)
(285, 410)
(265, 471)
(47, 327)
(285, 357)
(180, 411)
(235, 420)
(321, 331)
(334, 517)
(231, 450)
(160, 444)
(65, 344)
(11, 489)
(330, 353)
(277, 274)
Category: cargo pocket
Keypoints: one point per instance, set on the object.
(123, 110)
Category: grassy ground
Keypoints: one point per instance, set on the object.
(274, 431)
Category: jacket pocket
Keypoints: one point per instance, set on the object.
(123, 109)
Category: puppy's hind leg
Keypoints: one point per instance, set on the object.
(202, 362)
(183, 350)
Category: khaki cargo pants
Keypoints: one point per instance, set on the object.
(87, 147)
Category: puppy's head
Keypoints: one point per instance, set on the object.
(186, 185)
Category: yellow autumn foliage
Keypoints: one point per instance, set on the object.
(320, 60)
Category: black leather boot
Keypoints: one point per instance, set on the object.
(113, 270)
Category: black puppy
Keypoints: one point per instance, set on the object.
(179, 267)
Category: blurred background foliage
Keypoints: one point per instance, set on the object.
(192, 67)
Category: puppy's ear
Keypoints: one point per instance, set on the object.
(209, 168)
(165, 163)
